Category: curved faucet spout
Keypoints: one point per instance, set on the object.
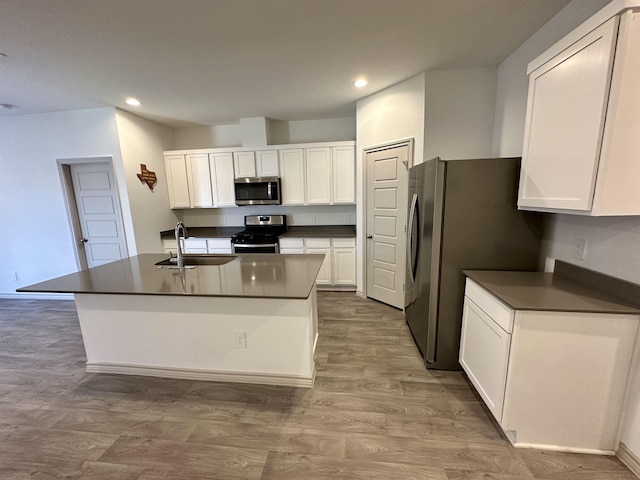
(180, 228)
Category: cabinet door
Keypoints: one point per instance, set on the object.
(318, 172)
(292, 176)
(344, 265)
(245, 164)
(565, 119)
(177, 182)
(484, 355)
(267, 163)
(344, 175)
(199, 180)
(222, 179)
(324, 275)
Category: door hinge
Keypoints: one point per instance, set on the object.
(403, 287)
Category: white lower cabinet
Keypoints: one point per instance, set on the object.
(198, 245)
(339, 265)
(553, 380)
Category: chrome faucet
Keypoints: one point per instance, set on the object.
(180, 228)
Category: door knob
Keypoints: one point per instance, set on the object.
(369, 236)
(84, 240)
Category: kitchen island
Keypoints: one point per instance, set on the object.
(251, 320)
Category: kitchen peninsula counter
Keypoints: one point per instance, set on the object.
(247, 275)
(252, 320)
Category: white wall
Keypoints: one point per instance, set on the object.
(296, 215)
(459, 113)
(613, 244)
(393, 114)
(186, 138)
(142, 142)
(278, 133)
(309, 131)
(35, 239)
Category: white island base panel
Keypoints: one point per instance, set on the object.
(566, 380)
(197, 337)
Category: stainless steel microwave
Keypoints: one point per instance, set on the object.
(258, 191)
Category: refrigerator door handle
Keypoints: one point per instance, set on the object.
(410, 261)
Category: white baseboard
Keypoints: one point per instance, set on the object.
(627, 457)
(37, 296)
(206, 375)
(561, 448)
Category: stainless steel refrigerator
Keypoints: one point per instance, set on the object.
(462, 215)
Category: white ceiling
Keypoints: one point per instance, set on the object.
(215, 61)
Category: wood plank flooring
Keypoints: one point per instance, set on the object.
(374, 413)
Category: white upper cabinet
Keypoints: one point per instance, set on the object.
(244, 164)
(199, 175)
(318, 172)
(221, 167)
(581, 143)
(267, 163)
(177, 182)
(344, 174)
(292, 179)
(310, 174)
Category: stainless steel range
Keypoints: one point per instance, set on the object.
(260, 235)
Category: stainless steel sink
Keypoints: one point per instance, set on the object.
(200, 259)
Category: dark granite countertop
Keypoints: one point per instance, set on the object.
(247, 275)
(549, 292)
(204, 232)
(332, 231)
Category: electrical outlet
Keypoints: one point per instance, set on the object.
(348, 218)
(14, 275)
(579, 248)
(223, 220)
(240, 340)
(312, 218)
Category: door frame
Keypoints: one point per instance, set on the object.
(64, 172)
(408, 142)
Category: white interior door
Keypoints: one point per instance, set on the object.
(386, 223)
(99, 213)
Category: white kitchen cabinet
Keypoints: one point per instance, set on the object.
(177, 182)
(218, 245)
(552, 379)
(339, 265)
(267, 163)
(292, 176)
(344, 173)
(318, 174)
(222, 176)
(581, 141)
(484, 355)
(194, 245)
(244, 164)
(344, 261)
(199, 177)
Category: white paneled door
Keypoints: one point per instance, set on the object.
(386, 223)
(99, 213)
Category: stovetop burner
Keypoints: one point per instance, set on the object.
(261, 229)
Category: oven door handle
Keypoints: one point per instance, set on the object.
(254, 245)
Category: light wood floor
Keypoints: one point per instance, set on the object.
(375, 412)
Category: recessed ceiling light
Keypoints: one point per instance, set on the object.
(360, 83)
(134, 102)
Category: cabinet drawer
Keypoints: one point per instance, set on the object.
(292, 250)
(494, 308)
(317, 242)
(219, 243)
(195, 243)
(343, 242)
(291, 243)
